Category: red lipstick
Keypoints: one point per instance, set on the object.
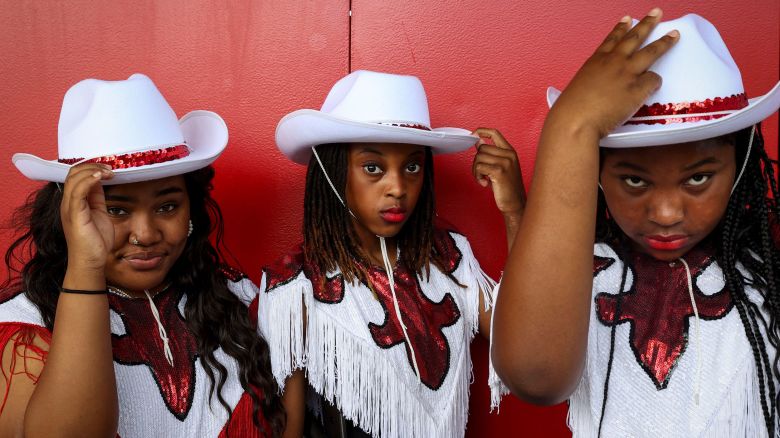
(666, 243)
(393, 215)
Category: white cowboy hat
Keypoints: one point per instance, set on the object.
(368, 107)
(129, 126)
(701, 97)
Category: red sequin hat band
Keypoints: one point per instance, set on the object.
(406, 125)
(695, 111)
(135, 159)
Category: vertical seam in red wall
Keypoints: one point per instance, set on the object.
(349, 40)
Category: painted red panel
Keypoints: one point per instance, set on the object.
(483, 63)
(488, 63)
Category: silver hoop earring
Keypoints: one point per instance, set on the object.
(189, 230)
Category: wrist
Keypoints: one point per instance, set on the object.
(573, 128)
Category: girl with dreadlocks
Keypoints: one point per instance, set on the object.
(384, 355)
(120, 320)
(668, 326)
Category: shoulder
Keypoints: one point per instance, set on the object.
(239, 283)
(284, 270)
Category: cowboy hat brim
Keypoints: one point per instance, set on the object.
(632, 136)
(204, 132)
(298, 131)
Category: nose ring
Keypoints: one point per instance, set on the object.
(134, 240)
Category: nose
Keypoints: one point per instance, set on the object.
(666, 209)
(143, 228)
(395, 184)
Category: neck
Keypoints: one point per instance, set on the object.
(130, 293)
(371, 248)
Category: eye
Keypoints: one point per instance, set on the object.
(413, 168)
(698, 179)
(116, 211)
(372, 169)
(167, 208)
(634, 182)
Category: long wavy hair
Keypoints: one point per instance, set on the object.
(36, 263)
(747, 235)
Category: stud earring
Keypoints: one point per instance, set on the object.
(189, 231)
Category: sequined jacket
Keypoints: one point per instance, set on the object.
(353, 347)
(155, 398)
(660, 362)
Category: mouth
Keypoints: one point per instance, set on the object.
(144, 260)
(393, 215)
(666, 243)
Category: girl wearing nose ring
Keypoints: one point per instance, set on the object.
(377, 308)
(121, 319)
(668, 326)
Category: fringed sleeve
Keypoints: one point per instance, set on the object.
(281, 321)
(478, 282)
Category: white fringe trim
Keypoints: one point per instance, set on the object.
(497, 387)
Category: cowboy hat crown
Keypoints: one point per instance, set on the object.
(129, 126)
(702, 94)
(368, 107)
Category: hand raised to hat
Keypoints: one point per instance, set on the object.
(614, 82)
(88, 230)
(496, 165)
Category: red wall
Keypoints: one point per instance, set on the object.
(483, 62)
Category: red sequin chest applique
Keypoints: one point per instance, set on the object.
(424, 318)
(141, 345)
(658, 309)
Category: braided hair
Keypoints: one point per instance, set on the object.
(329, 237)
(37, 260)
(746, 236)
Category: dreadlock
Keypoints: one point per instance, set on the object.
(37, 260)
(745, 237)
(329, 237)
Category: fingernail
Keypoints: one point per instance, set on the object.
(655, 12)
(674, 33)
(626, 19)
(97, 174)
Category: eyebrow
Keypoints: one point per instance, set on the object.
(708, 160)
(631, 166)
(158, 194)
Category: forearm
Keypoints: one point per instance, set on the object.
(76, 394)
(541, 319)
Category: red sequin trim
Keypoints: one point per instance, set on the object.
(406, 125)
(703, 107)
(137, 159)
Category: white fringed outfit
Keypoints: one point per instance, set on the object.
(352, 346)
(654, 375)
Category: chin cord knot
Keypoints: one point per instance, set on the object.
(160, 329)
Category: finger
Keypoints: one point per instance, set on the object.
(496, 151)
(83, 183)
(648, 83)
(615, 35)
(485, 172)
(494, 135)
(638, 34)
(645, 57)
(75, 175)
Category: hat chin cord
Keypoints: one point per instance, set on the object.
(385, 260)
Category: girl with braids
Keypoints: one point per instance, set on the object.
(668, 326)
(383, 355)
(121, 320)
